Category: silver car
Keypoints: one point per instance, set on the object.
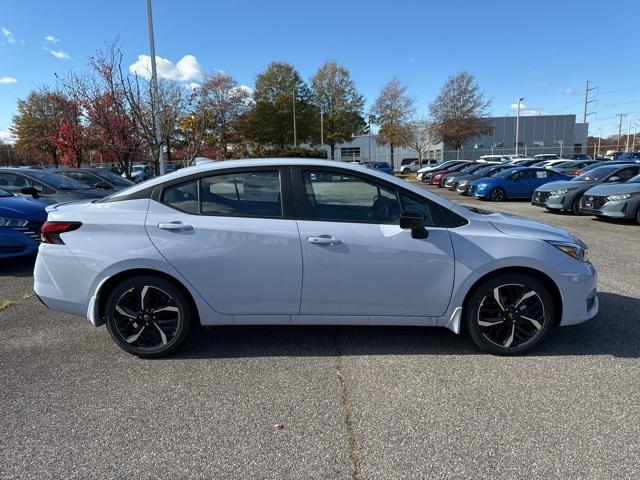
(279, 242)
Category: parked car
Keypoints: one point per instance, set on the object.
(546, 156)
(525, 162)
(267, 219)
(464, 182)
(140, 173)
(517, 182)
(380, 166)
(20, 222)
(566, 195)
(438, 166)
(621, 201)
(572, 167)
(411, 167)
(435, 178)
(445, 168)
(99, 178)
(628, 156)
(494, 159)
(46, 186)
(576, 156)
(450, 180)
(548, 163)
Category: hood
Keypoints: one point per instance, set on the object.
(562, 184)
(487, 180)
(603, 190)
(520, 226)
(20, 207)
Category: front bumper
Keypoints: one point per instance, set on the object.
(624, 209)
(17, 242)
(577, 282)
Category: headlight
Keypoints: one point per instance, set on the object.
(622, 196)
(482, 185)
(555, 193)
(13, 222)
(463, 183)
(579, 251)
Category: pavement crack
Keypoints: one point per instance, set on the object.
(352, 439)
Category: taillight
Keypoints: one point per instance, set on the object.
(50, 231)
(575, 173)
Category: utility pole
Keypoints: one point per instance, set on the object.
(587, 101)
(518, 124)
(154, 89)
(620, 115)
(295, 136)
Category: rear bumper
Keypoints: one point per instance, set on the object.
(60, 281)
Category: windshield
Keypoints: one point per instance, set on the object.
(57, 181)
(506, 173)
(596, 174)
(4, 193)
(635, 179)
(114, 179)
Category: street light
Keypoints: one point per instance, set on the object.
(518, 123)
(295, 135)
(154, 89)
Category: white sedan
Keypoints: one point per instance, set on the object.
(292, 241)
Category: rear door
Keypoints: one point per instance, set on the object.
(357, 260)
(519, 184)
(229, 234)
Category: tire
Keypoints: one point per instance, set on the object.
(406, 171)
(575, 205)
(488, 322)
(638, 215)
(136, 327)
(497, 195)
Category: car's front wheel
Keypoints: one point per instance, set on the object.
(147, 316)
(497, 195)
(509, 314)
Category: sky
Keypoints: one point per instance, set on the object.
(543, 51)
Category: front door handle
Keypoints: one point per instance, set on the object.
(175, 226)
(324, 240)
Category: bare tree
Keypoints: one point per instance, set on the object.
(458, 111)
(225, 101)
(421, 137)
(393, 110)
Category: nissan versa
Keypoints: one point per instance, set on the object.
(278, 241)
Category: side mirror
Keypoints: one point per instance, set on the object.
(103, 186)
(30, 191)
(414, 221)
(615, 178)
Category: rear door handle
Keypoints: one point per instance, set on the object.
(175, 226)
(324, 240)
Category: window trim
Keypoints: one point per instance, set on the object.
(285, 190)
(302, 210)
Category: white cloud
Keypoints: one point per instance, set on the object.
(525, 110)
(186, 70)
(569, 91)
(61, 54)
(6, 137)
(8, 35)
(6, 80)
(51, 39)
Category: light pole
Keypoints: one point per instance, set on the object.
(626, 147)
(518, 123)
(599, 138)
(154, 89)
(322, 128)
(370, 161)
(295, 135)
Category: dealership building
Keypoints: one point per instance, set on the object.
(537, 134)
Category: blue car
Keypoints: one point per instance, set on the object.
(517, 182)
(380, 167)
(20, 222)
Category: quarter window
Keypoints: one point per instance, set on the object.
(183, 196)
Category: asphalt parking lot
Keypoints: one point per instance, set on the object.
(355, 402)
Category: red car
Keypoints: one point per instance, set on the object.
(437, 178)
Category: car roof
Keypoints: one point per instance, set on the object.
(278, 162)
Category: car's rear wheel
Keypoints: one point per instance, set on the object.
(497, 195)
(148, 316)
(509, 314)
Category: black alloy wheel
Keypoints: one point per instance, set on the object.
(510, 314)
(497, 195)
(148, 316)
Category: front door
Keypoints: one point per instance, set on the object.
(227, 235)
(357, 260)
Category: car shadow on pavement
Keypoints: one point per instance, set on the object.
(17, 267)
(615, 332)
